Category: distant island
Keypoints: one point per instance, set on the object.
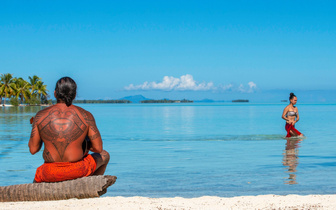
(135, 99)
(129, 99)
(240, 100)
(101, 101)
(143, 100)
(166, 101)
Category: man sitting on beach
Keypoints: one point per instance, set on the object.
(64, 128)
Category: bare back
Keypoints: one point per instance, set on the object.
(63, 130)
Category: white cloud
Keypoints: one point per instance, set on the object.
(252, 87)
(241, 88)
(228, 87)
(187, 82)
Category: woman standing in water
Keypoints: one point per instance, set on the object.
(291, 115)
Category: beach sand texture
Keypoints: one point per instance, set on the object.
(206, 202)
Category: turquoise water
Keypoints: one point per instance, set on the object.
(191, 150)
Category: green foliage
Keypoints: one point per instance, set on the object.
(34, 101)
(7, 87)
(44, 99)
(14, 101)
(33, 92)
(22, 89)
(33, 83)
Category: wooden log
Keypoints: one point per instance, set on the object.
(86, 187)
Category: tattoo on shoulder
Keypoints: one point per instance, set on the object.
(89, 119)
(61, 128)
(33, 132)
(37, 117)
(40, 114)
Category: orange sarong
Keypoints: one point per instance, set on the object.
(62, 171)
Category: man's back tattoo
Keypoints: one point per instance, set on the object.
(61, 128)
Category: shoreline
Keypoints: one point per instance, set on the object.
(23, 105)
(205, 202)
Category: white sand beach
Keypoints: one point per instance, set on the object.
(206, 202)
(8, 105)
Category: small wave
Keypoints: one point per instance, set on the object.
(257, 137)
(294, 137)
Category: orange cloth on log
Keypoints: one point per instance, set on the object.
(62, 171)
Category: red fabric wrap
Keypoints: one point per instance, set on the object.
(290, 127)
(62, 171)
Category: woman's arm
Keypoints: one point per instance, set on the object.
(284, 114)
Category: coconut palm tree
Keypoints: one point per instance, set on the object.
(41, 89)
(8, 87)
(33, 83)
(22, 89)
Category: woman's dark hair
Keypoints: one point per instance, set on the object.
(291, 96)
(66, 90)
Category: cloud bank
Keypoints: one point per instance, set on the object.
(187, 83)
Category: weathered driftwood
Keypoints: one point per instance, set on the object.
(86, 187)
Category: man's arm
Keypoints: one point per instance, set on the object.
(35, 142)
(93, 133)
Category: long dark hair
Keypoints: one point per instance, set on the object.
(66, 90)
(291, 96)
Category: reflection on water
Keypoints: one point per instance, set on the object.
(291, 159)
(256, 137)
(15, 128)
(9, 115)
(181, 116)
(20, 109)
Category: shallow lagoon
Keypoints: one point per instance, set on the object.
(191, 150)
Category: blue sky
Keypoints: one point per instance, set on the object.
(222, 50)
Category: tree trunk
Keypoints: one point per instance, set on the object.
(86, 187)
